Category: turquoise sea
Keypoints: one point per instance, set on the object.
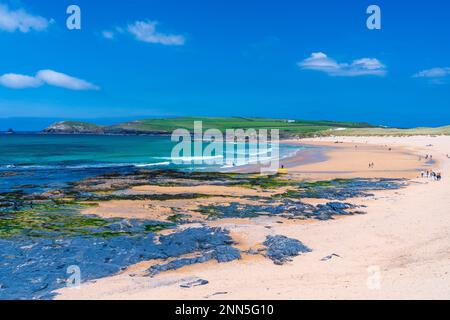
(34, 162)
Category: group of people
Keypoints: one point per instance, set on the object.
(427, 157)
(431, 174)
(371, 165)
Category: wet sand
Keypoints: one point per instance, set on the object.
(398, 250)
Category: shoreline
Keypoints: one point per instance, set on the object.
(387, 235)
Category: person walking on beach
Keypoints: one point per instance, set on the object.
(438, 176)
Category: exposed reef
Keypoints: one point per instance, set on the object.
(31, 268)
(210, 244)
(44, 233)
(342, 189)
(286, 208)
(281, 249)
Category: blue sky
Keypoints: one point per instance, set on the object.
(285, 59)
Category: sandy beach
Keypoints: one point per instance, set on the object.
(398, 250)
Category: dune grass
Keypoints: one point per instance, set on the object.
(422, 131)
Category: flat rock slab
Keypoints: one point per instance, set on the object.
(32, 268)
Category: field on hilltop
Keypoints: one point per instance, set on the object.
(288, 128)
(168, 125)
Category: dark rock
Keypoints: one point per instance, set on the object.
(330, 257)
(179, 263)
(280, 248)
(32, 268)
(226, 254)
(344, 189)
(195, 283)
(287, 209)
(211, 244)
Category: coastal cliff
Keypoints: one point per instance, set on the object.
(71, 127)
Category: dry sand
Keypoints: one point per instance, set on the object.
(399, 250)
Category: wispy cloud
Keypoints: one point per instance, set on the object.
(145, 31)
(433, 73)
(49, 77)
(108, 34)
(319, 61)
(20, 20)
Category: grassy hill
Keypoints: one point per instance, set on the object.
(421, 131)
(288, 128)
(298, 127)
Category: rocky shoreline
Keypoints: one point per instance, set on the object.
(43, 234)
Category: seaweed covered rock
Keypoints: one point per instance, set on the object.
(280, 249)
(287, 208)
(32, 268)
(341, 189)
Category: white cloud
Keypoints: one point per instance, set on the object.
(108, 34)
(50, 77)
(62, 80)
(319, 61)
(20, 20)
(146, 31)
(433, 73)
(19, 81)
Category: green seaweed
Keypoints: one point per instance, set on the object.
(158, 227)
(325, 183)
(177, 217)
(267, 182)
(209, 210)
(50, 219)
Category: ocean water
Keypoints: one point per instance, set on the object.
(35, 162)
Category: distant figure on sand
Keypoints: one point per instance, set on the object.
(282, 170)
